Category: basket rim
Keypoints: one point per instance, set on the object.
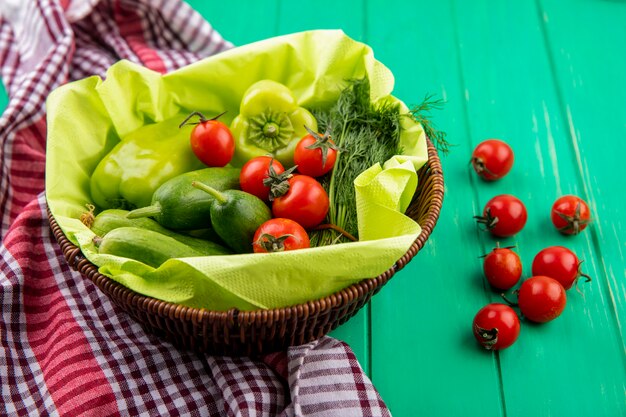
(345, 296)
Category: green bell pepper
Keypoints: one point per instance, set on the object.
(143, 160)
(270, 122)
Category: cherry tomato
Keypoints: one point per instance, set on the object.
(502, 268)
(254, 172)
(277, 235)
(211, 140)
(306, 202)
(496, 326)
(315, 154)
(492, 159)
(570, 214)
(560, 263)
(541, 298)
(504, 215)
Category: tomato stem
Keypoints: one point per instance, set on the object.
(509, 302)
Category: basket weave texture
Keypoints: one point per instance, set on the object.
(251, 333)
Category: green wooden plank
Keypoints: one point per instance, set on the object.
(248, 21)
(511, 94)
(424, 358)
(593, 89)
(243, 21)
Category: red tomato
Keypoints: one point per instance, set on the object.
(496, 326)
(254, 172)
(570, 214)
(502, 268)
(306, 202)
(504, 215)
(315, 154)
(211, 141)
(541, 298)
(492, 159)
(277, 235)
(559, 263)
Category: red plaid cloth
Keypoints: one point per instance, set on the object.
(66, 349)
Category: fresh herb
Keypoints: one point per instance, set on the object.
(420, 114)
(366, 134)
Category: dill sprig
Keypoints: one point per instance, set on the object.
(366, 134)
(421, 114)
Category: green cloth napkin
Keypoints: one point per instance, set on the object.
(87, 118)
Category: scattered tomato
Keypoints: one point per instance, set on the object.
(492, 159)
(315, 154)
(278, 235)
(504, 215)
(305, 202)
(560, 263)
(211, 140)
(496, 326)
(541, 298)
(502, 268)
(255, 172)
(570, 214)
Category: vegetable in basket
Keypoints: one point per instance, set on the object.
(130, 173)
(111, 219)
(179, 206)
(270, 122)
(235, 216)
(147, 246)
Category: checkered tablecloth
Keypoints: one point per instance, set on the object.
(65, 349)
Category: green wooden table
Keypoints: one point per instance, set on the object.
(549, 77)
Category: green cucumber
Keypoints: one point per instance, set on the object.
(235, 216)
(147, 246)
(111, 219)
(179, 206)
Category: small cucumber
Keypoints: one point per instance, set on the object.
(147, 246)
(111, 219)
(179, 206)
(235, 216)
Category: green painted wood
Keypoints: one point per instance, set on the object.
(512, 92)
(424, 358)
(549, 80)
(590, 64)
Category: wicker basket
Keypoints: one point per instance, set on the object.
(251, 333)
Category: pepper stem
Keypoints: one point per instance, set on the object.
(219, 197)
(149, 211)
(271, 130)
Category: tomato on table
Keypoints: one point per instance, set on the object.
(496, 326)
(560, 263)
(541, 299)
(502, 268)
(504, 215)
(492, 159)
(570, 214)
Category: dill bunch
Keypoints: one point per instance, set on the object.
(366, 134)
